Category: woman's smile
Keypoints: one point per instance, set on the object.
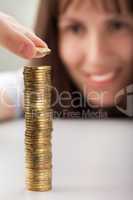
(103, 79)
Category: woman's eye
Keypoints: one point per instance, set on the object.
(76, 29)
(118, 25)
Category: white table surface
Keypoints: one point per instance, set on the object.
(92, 160)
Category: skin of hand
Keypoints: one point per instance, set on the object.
(17, 38)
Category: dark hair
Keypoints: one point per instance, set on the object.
(46, 28)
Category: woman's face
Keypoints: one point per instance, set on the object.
(96, 48)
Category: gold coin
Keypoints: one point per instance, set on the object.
(37, 142)
(39, 188)
(39, 134)
(38, 121)
(37, 68)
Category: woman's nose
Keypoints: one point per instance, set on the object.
(96, 54)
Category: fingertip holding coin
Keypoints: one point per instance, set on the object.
(42, 51)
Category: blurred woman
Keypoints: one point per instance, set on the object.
(92, 57)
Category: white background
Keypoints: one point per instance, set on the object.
(92, 160)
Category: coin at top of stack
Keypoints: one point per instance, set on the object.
(38, 120)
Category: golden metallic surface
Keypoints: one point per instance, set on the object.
(40, 52)
(32, 69)
(38, 188)
(38, 133)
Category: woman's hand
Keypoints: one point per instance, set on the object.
(18, 39)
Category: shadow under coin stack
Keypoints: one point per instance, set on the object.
(38, 119)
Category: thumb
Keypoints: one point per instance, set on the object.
(16, 42)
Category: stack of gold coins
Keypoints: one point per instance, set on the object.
(38, 120)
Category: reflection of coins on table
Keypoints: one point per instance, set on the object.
(38, 120)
